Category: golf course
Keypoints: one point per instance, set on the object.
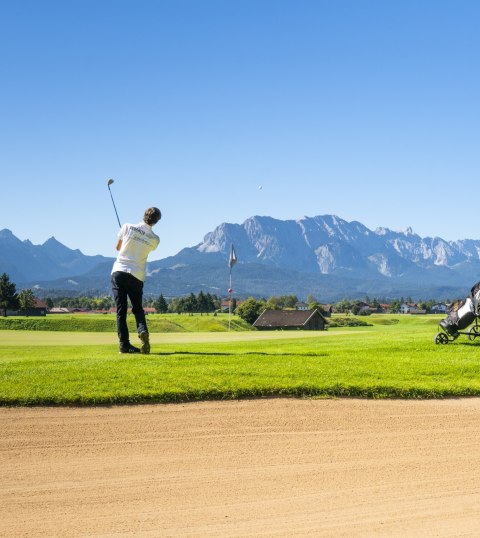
(387, 357)
(363, 430)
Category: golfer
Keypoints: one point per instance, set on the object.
(135, 242)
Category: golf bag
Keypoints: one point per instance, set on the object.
(462, 313)
(475, 295)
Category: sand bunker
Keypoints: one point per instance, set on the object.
(279, 467)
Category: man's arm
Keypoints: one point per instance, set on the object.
(119, 244)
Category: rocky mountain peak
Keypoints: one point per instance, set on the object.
(324, 254)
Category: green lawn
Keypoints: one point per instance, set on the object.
(394, 357)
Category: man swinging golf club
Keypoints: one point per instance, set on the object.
(135, 242)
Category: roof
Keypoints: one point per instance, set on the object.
(59, 310)
(225, 303)
(285, 318)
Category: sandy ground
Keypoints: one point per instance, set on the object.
(279, 467)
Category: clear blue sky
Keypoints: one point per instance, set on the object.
(366, 109)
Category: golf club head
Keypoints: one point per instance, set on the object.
(110, 181)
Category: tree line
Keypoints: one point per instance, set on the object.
(11, 300)
(201, 303)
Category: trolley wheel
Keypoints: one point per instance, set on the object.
(474, 332)
(441, 338)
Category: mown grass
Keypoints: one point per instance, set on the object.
(392, 358)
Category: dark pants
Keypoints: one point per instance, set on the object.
(124, 286)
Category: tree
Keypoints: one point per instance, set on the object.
(278, 302)
(355, 308)
(202, 305)
(8, 294)
(422, 305)
(161, 305)
(191, 304)
(274, 303)
(212, 302)
(26, 299)
(289, 301)
(104, 303)
(250, 309)
(343, 306)
(182, 306)
(395, 306)
(319, 307)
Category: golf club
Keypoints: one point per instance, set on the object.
(110, 181)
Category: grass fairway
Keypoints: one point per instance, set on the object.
(395, 357)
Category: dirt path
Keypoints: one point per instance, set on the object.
(252, 468)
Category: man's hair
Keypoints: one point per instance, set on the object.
(152, 216)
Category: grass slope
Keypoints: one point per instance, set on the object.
(392, 358)
(164, 323)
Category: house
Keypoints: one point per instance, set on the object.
(225, 304)
(438, 308)
(406, 308)
(362, 307)
(411, 308)
(327, 309)
(38, 309)
(284, 320)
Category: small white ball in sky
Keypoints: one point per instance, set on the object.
(260, 187)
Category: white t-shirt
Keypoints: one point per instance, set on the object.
(138, 240)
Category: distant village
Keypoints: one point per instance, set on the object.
(88, 305)
(276, 312)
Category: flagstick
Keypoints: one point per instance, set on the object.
(231, 262)
(230, 300)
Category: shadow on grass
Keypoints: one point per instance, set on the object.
(218, 354)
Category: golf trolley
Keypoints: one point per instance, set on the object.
(444, 337)
(461, 315)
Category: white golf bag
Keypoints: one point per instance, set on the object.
(462, 313)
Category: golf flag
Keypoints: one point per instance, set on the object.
(233, 257)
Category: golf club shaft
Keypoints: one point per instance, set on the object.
(113, 202)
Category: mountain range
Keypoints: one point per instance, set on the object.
(324, 255)
(25, 262)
